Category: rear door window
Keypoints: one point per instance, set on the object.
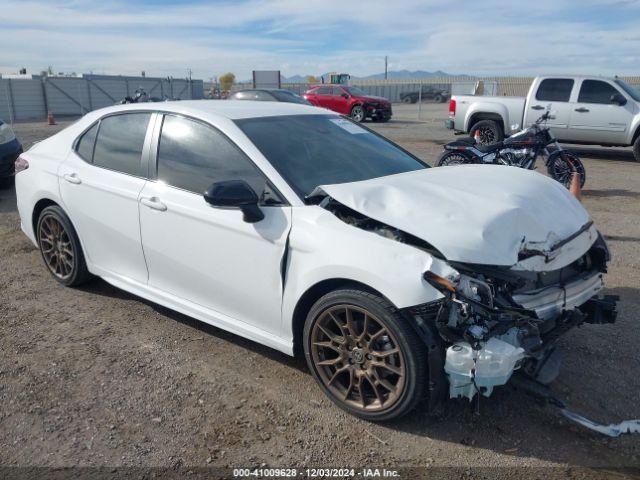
(596, 91)
(555, 89)
(120, 142)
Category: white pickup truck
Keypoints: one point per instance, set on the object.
(586, 110)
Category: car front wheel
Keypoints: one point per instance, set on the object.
(364, 355)
(357, 113)
(60, 247)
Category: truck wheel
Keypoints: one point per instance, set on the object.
(490, 132)
(364, 355)
(636, 149)
(357, 113)
(407, 99)
(438, 99)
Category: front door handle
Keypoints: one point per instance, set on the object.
(582, 110)
(72, 178)
(153, 203)
(537, 107)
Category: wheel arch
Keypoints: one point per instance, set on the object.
(479, 116)
(37, 210)
(311, 296)
(636, 134)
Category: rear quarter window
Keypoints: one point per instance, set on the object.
(84, 147)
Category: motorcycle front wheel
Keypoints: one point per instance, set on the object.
(561, 166)
(449, 158)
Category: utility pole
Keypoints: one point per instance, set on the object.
(385, 66)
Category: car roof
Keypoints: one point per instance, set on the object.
(264, 90)
(230, 109)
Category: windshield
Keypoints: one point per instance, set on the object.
(313, 150)
(633, 92)
(356, 92)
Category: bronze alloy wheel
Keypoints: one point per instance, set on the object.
(60, 247)
(357, 358)
(57, 248)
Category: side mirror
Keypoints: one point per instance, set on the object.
(345, 95)
(235, 194)
(618, 99)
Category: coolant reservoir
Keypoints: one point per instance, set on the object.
(493, 363)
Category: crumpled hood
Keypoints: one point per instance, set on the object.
(484, 214)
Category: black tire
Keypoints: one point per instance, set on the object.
(60, 243)
(438, 99)
(636, 149)
(490, 132)
(561, 166)
(357, 113)
(450, 158)
(408, 352)
(408, 99)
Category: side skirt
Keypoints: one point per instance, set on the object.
(198, 312)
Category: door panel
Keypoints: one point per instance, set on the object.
(595, 118)
(323, 97)
(101, 199)
(211, 257)
(103, 207)
(553, 93)
(338, 102)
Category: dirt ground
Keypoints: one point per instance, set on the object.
(96, 377)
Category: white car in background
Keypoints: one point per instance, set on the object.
(301, 230)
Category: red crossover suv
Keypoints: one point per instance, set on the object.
(350, 101)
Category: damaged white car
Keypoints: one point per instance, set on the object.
(301, 230)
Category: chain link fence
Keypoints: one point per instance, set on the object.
(31, 99)
(431, 89)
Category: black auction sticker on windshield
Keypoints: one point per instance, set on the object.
(348, 126)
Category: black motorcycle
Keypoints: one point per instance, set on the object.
(519, 150)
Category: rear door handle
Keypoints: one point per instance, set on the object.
(153, 203)
(537, 107)
(582, 110)
(72, 178)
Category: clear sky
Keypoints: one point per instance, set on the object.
(312, 37)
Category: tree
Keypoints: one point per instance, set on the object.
(311, 79)
(227, 80)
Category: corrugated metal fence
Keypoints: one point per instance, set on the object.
(394, 88)
(31, 99)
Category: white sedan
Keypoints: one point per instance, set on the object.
(298, 229)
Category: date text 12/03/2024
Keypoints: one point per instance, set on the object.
(316, 473)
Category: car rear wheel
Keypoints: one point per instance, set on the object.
(636, 149)
(489, 130)
(357, 113)
(364, 355)
(452, 158)
(60, 247)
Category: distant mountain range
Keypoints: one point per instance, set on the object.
(394, 74)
